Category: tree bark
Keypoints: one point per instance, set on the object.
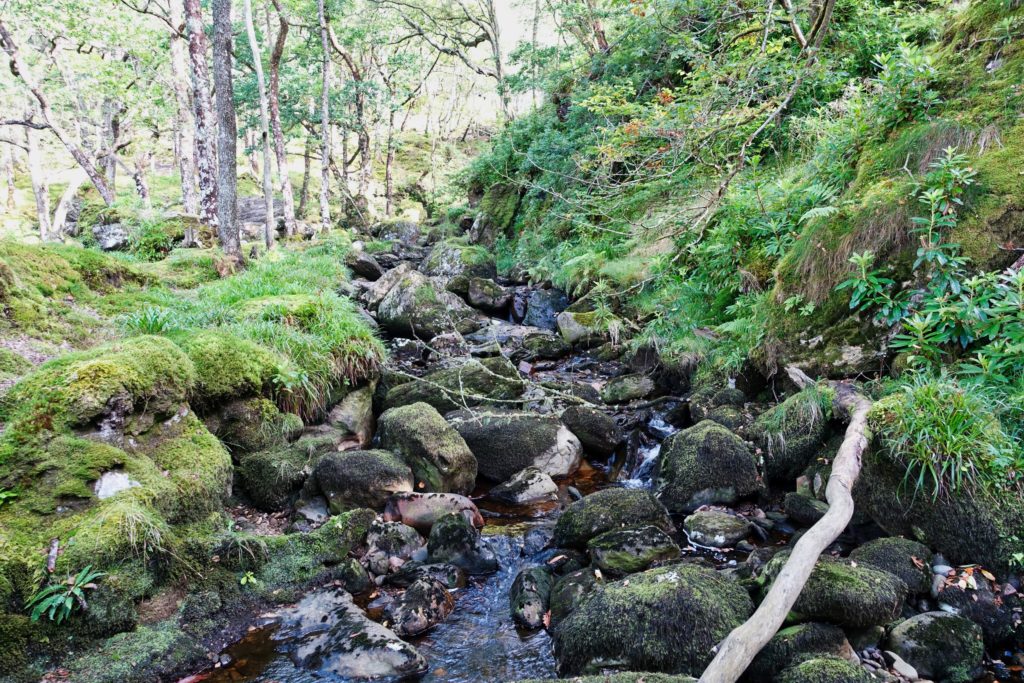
(742, 645)
(287, 197)
(64, 205)
(325, 121)
(389, 162)
(268, 184)
(202, 105)
(9, 176)
(307, 154)
(186, 157)
(227, 133)
(21, 69)
(40, 188)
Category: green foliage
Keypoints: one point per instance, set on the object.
(59, 600)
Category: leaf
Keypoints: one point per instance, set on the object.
(988, 575)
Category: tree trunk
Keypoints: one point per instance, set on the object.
(499, 61)
(389, 162)
(139, 178)
(40, 188)
(325, 121)
(227, 133)
(206, 155)
(9, 176)
(64, 205)
(186, 153)
(287, 198)
(111, 130)
(307, 154)
(18, 66)
(742, 645)
(268, 184)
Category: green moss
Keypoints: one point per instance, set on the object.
(439, 458)
(793, 432)
(909, 560)
(253, 424)
(940, 645)
(12, 364)
(792, 643)
(14, 637)
(625, 551)
(825, 670)
(499, 204)
(140, 655)
(226, 365)
(605, 510)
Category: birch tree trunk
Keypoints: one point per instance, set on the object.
(206, 155)
(325, 121)
(186, 153)
(64, 205)
(307, 154)
(287, 197)
(268, 184)
(389, 162)
(227, 133)
(40, 188)
(9, 176)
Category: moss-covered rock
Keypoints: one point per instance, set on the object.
(227, 367)
(354, 414)
(506, 442)
(940, 645)
(909, 560)
(455, 262)
(845, 592)
(470, 384)
(667, 619)
(569, 590)
(12, 364)
(488, 295)
(702, 465)
(715, 528)
(606, 510)
(438, 456)
(356, 479)
(418, 307)
(272, 478)
(792, 433)
(140, 655)
(625, 551)
(985, 605)
(597, 431)
(627, 388)
(530, 596)
(804, 510)
(625, 677)
(252, 424)
(453, 539)
(15, 632)
(586, 328)
(797, 642)
(825, 670)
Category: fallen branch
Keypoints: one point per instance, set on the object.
(745, 641)
(51, 555)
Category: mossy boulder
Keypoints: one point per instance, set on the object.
(145, 654)
(252, 424)
(15, 632)
(354, 414)
(456, 262)
(606, 510)
(487, 295)
(438, 456)
(625, 677)
(272, 478)
(804, 510)
(454, 540)
(530, 596)
(569, 590)
(597, 431)
(626, 551)
(825, 669)
(506, 442)
(470, 384)
(420, 308)
(585, 328)
(907, 559)
(227, 367)
(667, 619)
(797, 642)
(792, 433)
(357, 479)
(702, 465)
(543, 347)
(845, 592)
(627, 388)
(715, 528)
(391, 545)
(940, 645)
(12, 364)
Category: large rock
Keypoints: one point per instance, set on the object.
(363, 265)
(606, 510)
(530, 595)
(804, 510)
(597, 431)
(940, 645)
(417, 307)
(328, 634)
(488, 295)
(543, 307)
(403, 232)
(469, 384)
(376, 292)
(111, 237)
(702, 465)
(627, 388)
(579, 328)
(909, 560)
(529, 485)
(355, 479)
(796, 643)
(667, 619)
(825, 669)
(355, 414)
(569, 591)
(456, 541)
(456, 262)
(438, 456)
(792, 433)
(423, 510)
(716, 529)
(845, 592)
(506, 442)
(390, 546)
(422, 606)
(625, 551)
(272, 478)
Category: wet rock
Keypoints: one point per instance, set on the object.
(606, 510)
(454, 540)
(422, 606)
(667, 619)
(792, 433)
(529, 485)
(470, 384)
(391, 545)
(597, 431)
(825, 669)
(438, 456)
(626, 551)
(418, 307)
(487, 295)
(364, 265)
(529, 596)
(940, 645)
(996, 614)
(543, 306)
(716, 529)
(795, 643)
(569, 590)
(627, 388)
(703, 465)
(376, 292)
(909, 560)
(355, 414)
(356, 479)
(327, 633)
(354, 577)
(448, 575)
(507, 442)
(846, 592)
(804, 510)
(111, 237)
(422, 510)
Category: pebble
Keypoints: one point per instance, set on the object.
(941, 569)
(574, 492)
(900, 666)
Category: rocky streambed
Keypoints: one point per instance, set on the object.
(548, 505)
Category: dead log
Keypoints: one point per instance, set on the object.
(741, 646)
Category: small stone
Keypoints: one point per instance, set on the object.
(716, 529)
(900, 666)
